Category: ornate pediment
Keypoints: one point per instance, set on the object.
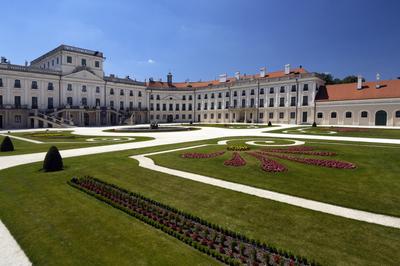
(83, 74)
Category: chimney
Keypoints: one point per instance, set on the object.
(359, 82)
(169, 78)
(287, 69)
(237, 75)
(378, 78)
(263, 72)
(222, 78)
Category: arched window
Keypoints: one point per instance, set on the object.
(320, 115)
(397, 114)
(364, 114)
(333, 115)
(348, 114)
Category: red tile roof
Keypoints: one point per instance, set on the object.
(182, 85)
(349, 91)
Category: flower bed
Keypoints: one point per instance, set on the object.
(236, 160)
(238, 148)
(227, 246)
(202, 155)
(302, 151)
(267, 164)
(313, 161)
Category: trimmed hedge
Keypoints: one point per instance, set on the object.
(53, 161)
(6, 145)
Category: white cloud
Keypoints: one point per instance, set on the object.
(151, 61)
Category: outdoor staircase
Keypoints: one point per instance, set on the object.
(51, 120)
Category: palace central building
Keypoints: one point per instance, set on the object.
(67, 87)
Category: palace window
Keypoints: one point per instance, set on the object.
(84, 89)
(364, 114)
(271, 115)
(243, 93)
(50, 86)
(50, 103)
(271, 90)
(205, 96)
(190, 97)
(177, 107)
(305, 87)
(305, 100)
(111, 91)
(281, 102)
(97, 102)
(212, 96)
(252, 92)
(97, 89)
(227, 94)
(292, 115)
(151, 97)
(271, 102)
(293, 88)
(320, 115)
(243, 103)
(84, 101)
(261, 103)
(199, 106)
(219, 95)
(17, 101)
(97, 64)
(83, 62)
(397, 114)
(34, 102)
(140, 94)
(282, 89)
(69, 87)
(183, 97)
(190, 107)
(252, 102)
(17, 83)
(34, 85)
(293, 101)
(69, 59)
(262, 91)
(121, 92)
(333, 115)
(261, 115)
(199, 97)
(183, 107)
(1, 82)
(348, 114)
(281, 115)
(69, 100)
(235, 94)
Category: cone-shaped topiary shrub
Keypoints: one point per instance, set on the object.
(314, 124)
(53, 161)
(7, 144)
(269, 124)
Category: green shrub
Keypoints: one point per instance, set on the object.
(314, 124)
(7, 145)
(53, 161)
(269, 124)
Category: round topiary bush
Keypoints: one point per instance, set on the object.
(269, 124)
(53, 161)
(7, 145)
(314, 124)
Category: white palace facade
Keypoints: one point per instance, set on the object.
(67, 87)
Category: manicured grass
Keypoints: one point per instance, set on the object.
(63, 140)
(56, 224)
(373, 186)
(230, 126)
(353, 132)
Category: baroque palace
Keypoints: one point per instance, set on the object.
(67, 87)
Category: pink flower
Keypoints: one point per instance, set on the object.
(236, 160)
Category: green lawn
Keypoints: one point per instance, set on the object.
(373, 186)
(56, 224)
(352, 132)
(229, 126)
(62, 139)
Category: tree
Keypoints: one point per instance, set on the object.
(53, 161)
(329, 79)
(6, 145)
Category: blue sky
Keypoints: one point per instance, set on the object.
(201, 39)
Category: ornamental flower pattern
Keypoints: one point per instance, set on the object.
(268, 164)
